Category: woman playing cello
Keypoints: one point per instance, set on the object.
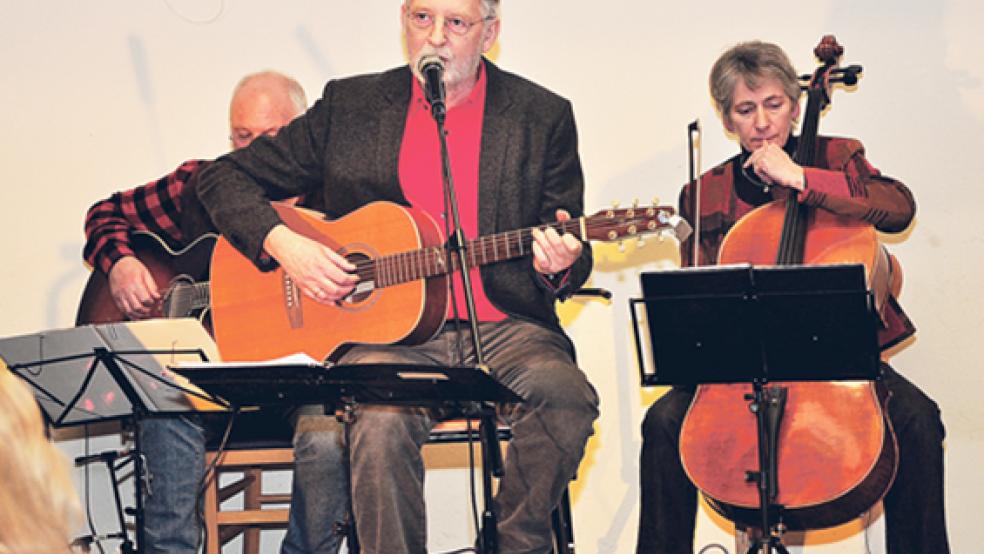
(757, 94)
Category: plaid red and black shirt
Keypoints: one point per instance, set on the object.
(153, 207)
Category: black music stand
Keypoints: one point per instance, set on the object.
(343, 386)
(98, 373)
(276, 383)
(744, 324)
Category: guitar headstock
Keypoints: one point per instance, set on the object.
(635, 222)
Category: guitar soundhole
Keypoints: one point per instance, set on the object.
(365, 288)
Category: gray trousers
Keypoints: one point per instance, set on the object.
(174, 448)
(550, 429)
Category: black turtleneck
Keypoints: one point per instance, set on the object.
(752, 192)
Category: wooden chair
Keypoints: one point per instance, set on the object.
(259, 443)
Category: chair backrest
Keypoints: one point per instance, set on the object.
(259, 442)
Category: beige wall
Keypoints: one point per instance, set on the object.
(99, 96)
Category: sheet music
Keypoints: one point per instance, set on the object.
(297, 358)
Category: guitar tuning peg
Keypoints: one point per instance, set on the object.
(655, 201)
(635, 202)
(621, 247)
(614, 204)
(641, 241)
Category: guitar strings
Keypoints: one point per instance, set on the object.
(402, 267)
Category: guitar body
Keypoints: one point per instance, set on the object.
(175, 272)
(261, 315)
(181, 277)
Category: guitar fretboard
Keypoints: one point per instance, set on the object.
(434, 261)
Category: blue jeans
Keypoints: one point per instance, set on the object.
(320, 492)
(174, 450)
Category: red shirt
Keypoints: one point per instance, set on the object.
(422, 181)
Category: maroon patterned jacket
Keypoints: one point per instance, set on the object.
(843, 182)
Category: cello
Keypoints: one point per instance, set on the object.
(835, 454)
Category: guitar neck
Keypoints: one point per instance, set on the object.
(436, 261)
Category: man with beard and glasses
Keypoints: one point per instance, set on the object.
(514, 158)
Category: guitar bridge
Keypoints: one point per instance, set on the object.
(292, 302)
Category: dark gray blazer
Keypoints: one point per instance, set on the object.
(344, 153)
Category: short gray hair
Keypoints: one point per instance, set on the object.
(751, 61)
(294, 89)
(490, 8)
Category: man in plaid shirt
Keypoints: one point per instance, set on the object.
(261, 105)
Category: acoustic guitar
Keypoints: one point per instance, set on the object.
(402, 291)
(181, 276)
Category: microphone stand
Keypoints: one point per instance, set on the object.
(491, 454)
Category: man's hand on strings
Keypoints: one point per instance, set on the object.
(774, 167)
(318, 271)
(552, 252)
(133, 288)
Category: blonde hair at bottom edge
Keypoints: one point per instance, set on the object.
(38, 504)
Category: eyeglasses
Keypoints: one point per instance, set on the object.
(454, 25)
(243, 137)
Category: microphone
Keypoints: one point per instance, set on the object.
(432, 69)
